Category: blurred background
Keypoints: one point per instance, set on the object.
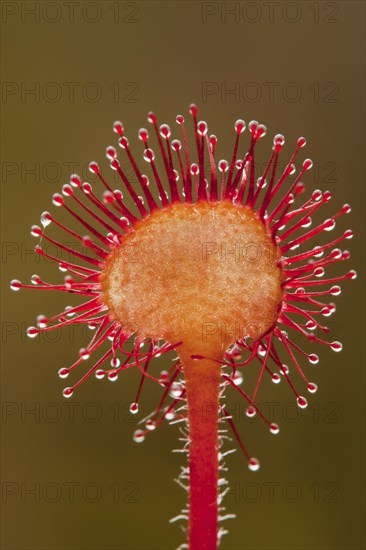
(72, 478)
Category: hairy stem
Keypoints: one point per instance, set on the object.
(202, 385)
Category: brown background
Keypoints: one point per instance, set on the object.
(309, 493)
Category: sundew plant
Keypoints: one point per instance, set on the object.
(206, 262)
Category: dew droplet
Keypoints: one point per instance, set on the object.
(15, 285)
(193, 109)
(261, 131)
(123, 143)
(276, 379)
(134, 408)
(237, 378)
(253, 124)
(115, 362)
(302, 402)
(284, 370)
(94, 167)
(336, 253)
(335, 290)
(175, 390)
(67, 190)
(312, 388)
(194, 169)
(313, 359)
(176, 145)
(307, 164)
(143, 134)
(32, 332)
(149, 155)
(63, 373)
(253, 464)
(46, 219)
(336, 346)
(75, 180)
(138, 436)
(112, 376)
(84, 353)
(87, 188)
(250, 412)
(36, 231)
(57, 199)
(111, 152)
(150, 425)
(202, 128)
(35, 279)
(67, 392)
(99, 374)
(329, 225)
(240, 126)
(163, 376)
(319, 252)
(274, 428)
(118, 127)
(279, 141)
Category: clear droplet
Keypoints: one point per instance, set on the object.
(302, 402)
(253, 464)
(274, 428)
(312, 388)
(163, 376)
(329, 224)
(250, 412)
(32, 332)
(175, 390)
(99, 374)
(118, 127)
(15, 285)
(112, 376)
(150, 425)
(42, 321)
(115, 362)
(313, 359)
(134, 408)
(63, 373)
(138, 436)
(46, 219)
(84, 353)
(67, 392)
(36, 231)
(336, 346)
(240, 126)
(237, 378)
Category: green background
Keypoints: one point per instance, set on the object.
(309, 493)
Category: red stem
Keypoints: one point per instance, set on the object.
(202, 385)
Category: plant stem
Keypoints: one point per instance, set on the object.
(202, 385)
